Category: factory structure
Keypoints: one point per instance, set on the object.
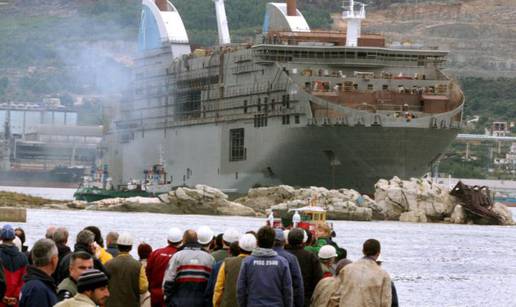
(42, 144)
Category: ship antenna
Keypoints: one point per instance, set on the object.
(354, 22)
(161, 160)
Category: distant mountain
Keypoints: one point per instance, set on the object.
(84, 47)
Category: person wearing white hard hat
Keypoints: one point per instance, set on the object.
(189, 269)
(157, 265)
(127, 279)
(225, 288)
(325, 293)
(230, 235)
(327, 255)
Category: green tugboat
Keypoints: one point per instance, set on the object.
(99, 186)
(91, 194)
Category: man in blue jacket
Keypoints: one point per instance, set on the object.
(39, 289)
(293, 264)
(264, 278)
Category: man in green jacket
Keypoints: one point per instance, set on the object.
(127, 279)
(79, 263)
(323, 237)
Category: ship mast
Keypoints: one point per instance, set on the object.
(222, 22)
(354, 22)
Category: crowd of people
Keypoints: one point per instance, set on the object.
(267, 267)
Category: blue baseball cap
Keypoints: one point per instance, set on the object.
(280, 236)
(7, 232)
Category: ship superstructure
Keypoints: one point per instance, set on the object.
(298, 107)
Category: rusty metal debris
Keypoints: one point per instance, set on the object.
(476, 201)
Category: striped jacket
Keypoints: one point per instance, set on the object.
(187, 276)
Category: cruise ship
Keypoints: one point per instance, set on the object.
(297, 106)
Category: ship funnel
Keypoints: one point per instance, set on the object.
(354, 22)
(291, 8)
(222, 22)
(162, 5)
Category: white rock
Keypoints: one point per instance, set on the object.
(417, 216)
(108, 202)
(181, 195)
(143, 200)
(233, 208)
(211, 191)
(164, 197)
(458, 215)
(395, 195)
(504, 212)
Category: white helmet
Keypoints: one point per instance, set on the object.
(247, 242)
(327, 252)
(231, 235)
(125, 239)
(174, 235)
(204, 235)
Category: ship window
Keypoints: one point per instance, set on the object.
(272, 104)
(260, 120)
(385, 87)
(245, 106)
(285, 119)
(370, 87)
(236, 143)
(285, 101)
(266, 104)
(259, 105)
(296, 119)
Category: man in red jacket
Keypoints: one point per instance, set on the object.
(15, 265)
(157, 265)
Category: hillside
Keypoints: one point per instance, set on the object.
(78, 49)
(481, 35)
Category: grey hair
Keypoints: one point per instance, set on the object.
(43, 251)
(50, 232)
(85, 237)
(61, 235)
(112, 236)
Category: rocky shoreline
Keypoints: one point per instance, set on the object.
(416, 200)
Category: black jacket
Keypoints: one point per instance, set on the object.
(39, 289)
(62, 270)
(310, 270)
(2, 280)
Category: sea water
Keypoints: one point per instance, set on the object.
(431, 264)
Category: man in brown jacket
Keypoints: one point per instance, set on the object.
(127, 276)
(363, 282)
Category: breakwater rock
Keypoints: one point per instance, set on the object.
(342, 204)
(199, 200)
(420, 200)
